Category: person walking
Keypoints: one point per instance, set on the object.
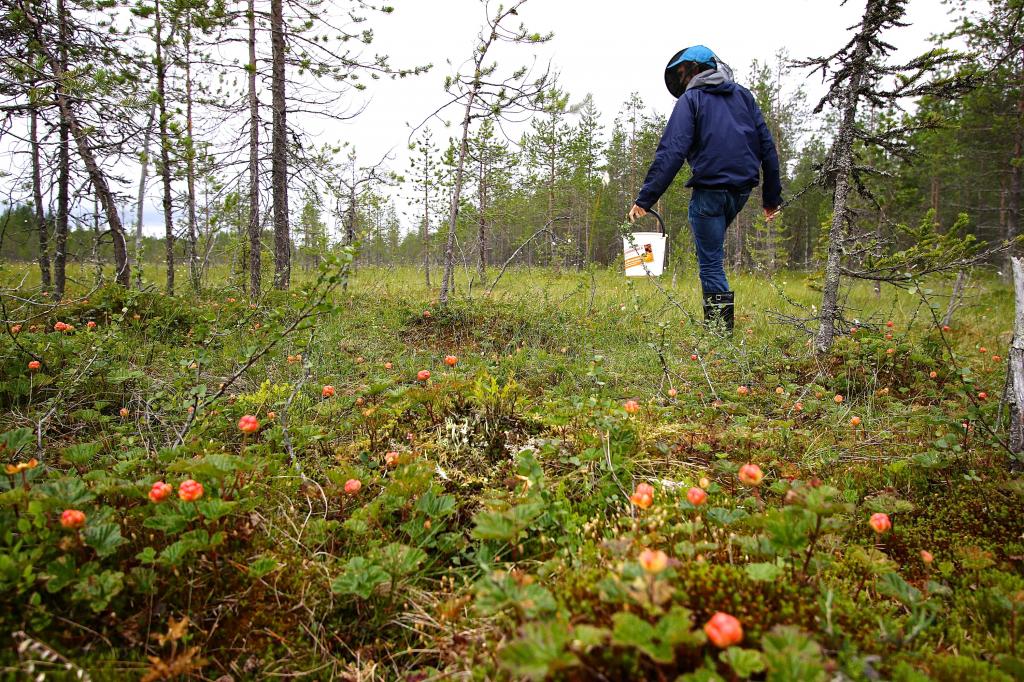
(718, 128)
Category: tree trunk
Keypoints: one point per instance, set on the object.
(255, 273)
(1015, 396)
(279, 153)
(190, 160)
(482, 223)
(350, 217)
(426, 223)
(63, 173)
(738, 233)
(96, 235)
(453, 213)
(61, 237)
(877, 286)
(843, 160)
(1013, 212)
(955, 297)
(165, 148)
(37, 198)
(82, 142)
(140, 204)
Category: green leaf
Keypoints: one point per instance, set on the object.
(789, 529)
(589, 636)
(435, 506)
(1011, 665)
(200, 539)
(261, 566)
(540, 652)
(167, 519)
(12, 441)
(215, 508)
(356, 526)
(497, 592)
(87, 415)
(142, 580)
(744, 662)
(632, 631)
(68, 493)
(60, 573)
(215, 465)
(675, 628)
(887, 503)
(147, 556)
(98, 590)
(659, 641)
(506, 525)
(792, 656)
(892, 585)
(700, 675)
(105, 538)
(494, 526)
(13, 498)
(763, 572)
(175, 553)
(81, 453)
(360, 578)
(119, 375)
(724, 517)
(402, 560)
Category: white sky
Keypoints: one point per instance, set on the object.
(608, 48)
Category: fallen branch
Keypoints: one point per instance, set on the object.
(328, 284)
(543, 230)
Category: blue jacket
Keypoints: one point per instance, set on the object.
(720, 131)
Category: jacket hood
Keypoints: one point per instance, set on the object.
(716, 76)
(718, 80)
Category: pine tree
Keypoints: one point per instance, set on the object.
(65, 44)
(426, 179)
(484, 94)
(586, 149)
(490, 156)
(995, 143)
(312, 228)
(859, 74)
(767, 242)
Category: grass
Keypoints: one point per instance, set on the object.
(499, 540)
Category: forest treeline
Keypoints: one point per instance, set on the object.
(88, 87)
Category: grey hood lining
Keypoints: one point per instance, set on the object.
(718, 76)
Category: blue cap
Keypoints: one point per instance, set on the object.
(697, 53)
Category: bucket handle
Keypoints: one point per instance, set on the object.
(661, 223)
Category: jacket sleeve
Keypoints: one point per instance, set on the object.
(771, 187)
(672, 151)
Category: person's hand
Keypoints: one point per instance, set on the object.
(771, 213)
(636, 212)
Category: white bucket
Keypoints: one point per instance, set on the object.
(643, 254)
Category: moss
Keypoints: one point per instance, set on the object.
(962, 668)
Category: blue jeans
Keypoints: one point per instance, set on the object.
(711, 211)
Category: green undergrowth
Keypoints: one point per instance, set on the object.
(496, 529)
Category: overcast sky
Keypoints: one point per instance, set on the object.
(602, 47)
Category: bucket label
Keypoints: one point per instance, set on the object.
(636, 256)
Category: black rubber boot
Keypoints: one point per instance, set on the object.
(719, 313)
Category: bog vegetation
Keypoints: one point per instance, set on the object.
(305, 434)
(567, 478)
